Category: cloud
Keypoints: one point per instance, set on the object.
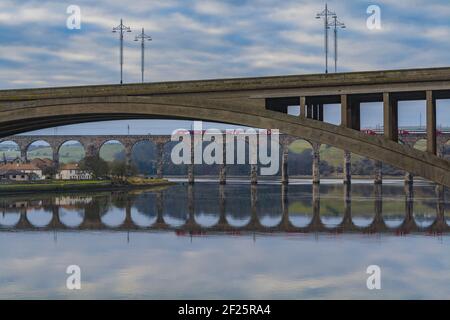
(162, 265)
(210, 39)
(212, 7)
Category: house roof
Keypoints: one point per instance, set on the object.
(41, 163)
(70, 166)
(19, 166)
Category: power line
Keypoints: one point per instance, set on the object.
(142, 37)
(336, 24)
(325, 14)
(122, 28)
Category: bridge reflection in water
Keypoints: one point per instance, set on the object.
(208, 209)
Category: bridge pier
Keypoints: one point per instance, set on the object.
(390, 117)
(254, 174)
(409, 178)
(23, 154)
(378, 223)
(223, 166)
(284, 165)
(316, 163)
(56, 221)
(440, 206)
(316, 221)
(409, 192)
(378, 179)
(409, 208)
(302, 107)
(160, 208)
(128, 223)
(347, 221)
(378, 195)
(285, 222)
(314, 110)
(159, 160)
(191, 178)
(128, 155)
(23, 222)
(350, 112)
(431, 123)
(92, 151)
(347, 172)
(191, 205)
(254, 219)
(222, 206)
(223, 174)
(55, 157)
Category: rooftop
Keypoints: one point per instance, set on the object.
(19, 166)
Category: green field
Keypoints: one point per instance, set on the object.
(67, 153)
(109, 151)
(65, 185)
(333, 156)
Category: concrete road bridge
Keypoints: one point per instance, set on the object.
(256, 102)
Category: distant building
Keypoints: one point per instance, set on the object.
(11, 160)
(27, 168)
(42, 163)
(72, 171)
(16, 175)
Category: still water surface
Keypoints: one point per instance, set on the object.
(233, 241)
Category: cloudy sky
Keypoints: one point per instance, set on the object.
(200, 39)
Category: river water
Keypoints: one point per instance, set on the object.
(232, 242)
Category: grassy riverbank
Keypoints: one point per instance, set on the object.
(83, 185)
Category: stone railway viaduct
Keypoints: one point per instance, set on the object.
(256, 102)
(93, 143)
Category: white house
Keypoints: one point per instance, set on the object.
(15, 175)
(72, 171)
(28, 168)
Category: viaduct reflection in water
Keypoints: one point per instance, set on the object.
(211, 209)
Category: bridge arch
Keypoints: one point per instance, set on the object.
(37, 143)
(72, 144)
(9, 218)
(9, 149)
(391, 217)
(48, 113)
(114, 217)
(300, 157)
(361, 198)
(174, 214)
(71, 217)
(331, 161)
(144, 210)
(148, 165)
(301, 212)
(107, 152)
(332, 208)
(39, 217)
